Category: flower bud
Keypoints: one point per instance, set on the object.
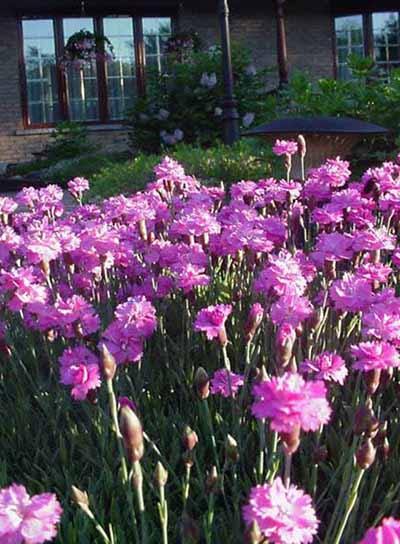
(285, 340)
(201, 383)
(189, 439)
(231, 449)
(160, 475)
(254, 320)
(108, 362)
(302, 145)
(365, 420)
(372, 380)
(45, 266)
(80, 498)
(291, 441)
(365, 455)
(212, 480)
(142, 229)
(382, 443)
(132, 433)
(252, 534)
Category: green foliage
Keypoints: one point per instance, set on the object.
(69, 140)
(181, 100)
(247, 159)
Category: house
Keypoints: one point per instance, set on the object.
(36, 93)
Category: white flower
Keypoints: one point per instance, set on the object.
(218, 112)
(248, 119)
(178, 134)
(208, 80)
(250, 70)
(168, 139)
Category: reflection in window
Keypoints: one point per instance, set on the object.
(156, 31)
(386, 32)
(83, 102)
(41, 72)
(120, 73)
(349, 40)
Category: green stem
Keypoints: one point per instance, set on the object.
(211, 427)
(186, 485)
(137, 476)
(114, 417)
(351, 501)
(163, 508)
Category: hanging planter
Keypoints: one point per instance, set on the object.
(84, 47)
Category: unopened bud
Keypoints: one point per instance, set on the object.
(366, 454)
(365, 420)
(372, 380)
(202, 383)
(382, 443)
(108, 362)
(302, 145)
(222, 336)
(132, 433)
(252, 534)
(231, 449)
(142, 229)
(285, 339)
(160, 475)
(80, 498)
(212, 480)
(189, 439)
(253, 321)
(291, 441)
(45, 266)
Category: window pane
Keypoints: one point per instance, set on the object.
(386, 30)
(41, 73)
(121, 72)
(349, 40)
(82, 88)
(156, 30)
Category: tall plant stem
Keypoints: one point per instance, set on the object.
(163, 509)
(288, 467)
(137, 476)
(114, 416)
(351, 501)
(97, 525)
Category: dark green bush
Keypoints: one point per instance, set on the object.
(69, 140)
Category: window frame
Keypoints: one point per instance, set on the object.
(140, 62)
(367, 29)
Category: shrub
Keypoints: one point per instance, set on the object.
(184, 104)
(69, 140)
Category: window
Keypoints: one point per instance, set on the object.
(386, 31)
(349, 40)
(101, 91)
(375, 34)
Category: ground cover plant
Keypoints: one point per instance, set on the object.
(199, 364)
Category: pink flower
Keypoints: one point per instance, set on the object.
(382, 323)
(282, 275)
(373, 240)
(332, 247)
(211, 320)
(327, 366)
(80, 368)
(291, 310)
(334, 172)
(290, 402)
(375, 355)
(285, 515)
(285, 147)
(7, 205)
(226, 383)
(25, 519)
(387, 533)
(351, 294)
(125, 401)
(77, 187)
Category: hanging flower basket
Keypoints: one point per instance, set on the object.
(85, 47)
(182, 45)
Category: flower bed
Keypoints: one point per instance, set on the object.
(192, 365)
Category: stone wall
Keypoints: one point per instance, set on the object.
(309, 38)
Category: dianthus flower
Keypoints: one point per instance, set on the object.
(285, 147)
(329, 367)
(387, 533)
(334, 172)
(226, 383)
(375, 356)
(41, 246)
(374, 272)
(7, 205)
(77, 187)
(80, 368)
(290, 402)
(211, 320)
(373, 240)
(291, 309)
(285, 515)
(76, 312)
(195, 222)
(382, 322)
(351, 294)
(282, 275)
(24, 287)
(25, 519)
(332, 247)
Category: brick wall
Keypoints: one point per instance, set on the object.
(309, 38)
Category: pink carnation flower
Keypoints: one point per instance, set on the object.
(25, 519)
(285, 515)
(77, 187)
(374, 356)
(291, 402)
(387, 533)
(226, 383)
(282, 275)
(80, 368)
(327, 366)
(211, 320)
(351, 294)
(291, 310)
(285, 147)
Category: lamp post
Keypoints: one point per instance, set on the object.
(283, 65)
(230, 114)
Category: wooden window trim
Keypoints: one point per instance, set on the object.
(140, 62)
